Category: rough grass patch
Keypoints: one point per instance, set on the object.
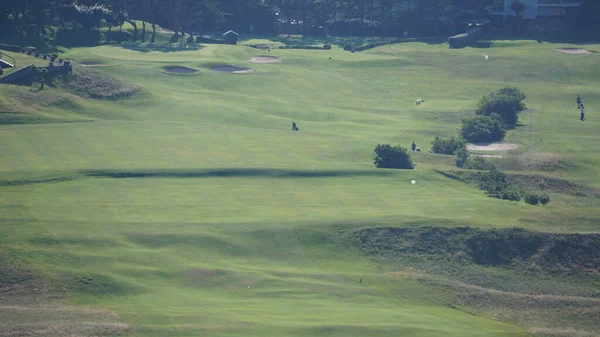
(97, 85)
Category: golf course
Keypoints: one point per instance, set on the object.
(163, 193)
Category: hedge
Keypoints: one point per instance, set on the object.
(303, 47)
(201, 39)
(348, 47)
(10, 47)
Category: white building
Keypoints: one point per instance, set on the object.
(538, 9)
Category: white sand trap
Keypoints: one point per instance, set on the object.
(92, 64)
(265, 59)
(491, 147)
(573, 50)
(180, 70)
(487, 155)
(232, 69)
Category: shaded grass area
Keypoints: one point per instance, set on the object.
(212, 173)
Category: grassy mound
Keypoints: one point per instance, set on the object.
(95, 84)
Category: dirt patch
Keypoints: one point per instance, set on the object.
(573, 50)
(491, 147)
(180, 70)
(265, 59)
(232, 69)
(92, 64)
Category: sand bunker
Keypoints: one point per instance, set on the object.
(180, 70)
(573, 50)
(265, 59)
(491, 147)
(92, 64)
(232, 69)
(487, 155)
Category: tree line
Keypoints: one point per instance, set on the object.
(384, 18)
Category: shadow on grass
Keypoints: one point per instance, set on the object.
(237, 173)
(165, 48)
(209, 173)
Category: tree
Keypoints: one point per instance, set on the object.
(518, 7)
(506, 102)
(588, 20)
(483, 128)
(396, 157)
(449, 145)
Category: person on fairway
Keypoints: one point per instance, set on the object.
(413, 146)
(579, 102)
(295, 127)
(582, 113)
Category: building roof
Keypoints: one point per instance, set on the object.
(230, 32)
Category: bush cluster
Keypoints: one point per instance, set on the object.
(396, 157)
(449, 145)
(483, 128)
(466, 161)
(497, 185)
(506, 102)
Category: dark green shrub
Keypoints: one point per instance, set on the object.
(9, 47)
(190, 39)
(478, 163)
(466, 161)
(494, 182)
(397, 157)
(544, 199)
(201, 39)
(463, 156)
(327, 47)
(348, 47)
(507, 102)
(512, 193)
(483, 128)
(301, 47)
(513, 92)
(449, 145)
(532, 198)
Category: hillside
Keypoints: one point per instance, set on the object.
(178, 202)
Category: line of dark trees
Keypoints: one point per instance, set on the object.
(385, 18)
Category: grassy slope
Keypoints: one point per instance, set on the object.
(175, 255)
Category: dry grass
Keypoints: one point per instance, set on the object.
(542, 161)
(31, 306)
(560, 332)
(97, 85)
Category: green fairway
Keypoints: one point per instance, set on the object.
(192, 209)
